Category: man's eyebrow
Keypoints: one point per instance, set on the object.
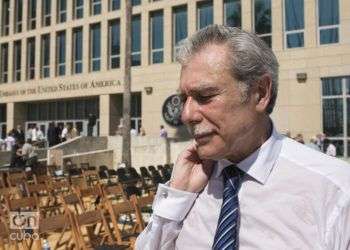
(204, 88)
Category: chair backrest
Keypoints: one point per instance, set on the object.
(10, 193)
(140, 203)
(90, 197)
(16, 178)
(114, 192)
(23, 204)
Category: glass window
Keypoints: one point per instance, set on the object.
(31, 14)
(204, 14)
(95, 47)
(136, 40)
(157, 40)
(17, 60)
(61, 53)
(336, 112)
(18, 16)
(62, 11)
(4, 63)
(114, 5)
(262, 20)
(45, 56)
(114, 44)
(232, 13)
(135, 2)
(95, 7)
(30, 58)
(328, 21)
(78, 50)
(78, 9)
(294, 23)
(5, 17)
(46, 13)
(179, 26)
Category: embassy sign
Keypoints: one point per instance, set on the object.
(172, 109)
(60, 87)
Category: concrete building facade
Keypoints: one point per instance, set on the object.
(61, 60)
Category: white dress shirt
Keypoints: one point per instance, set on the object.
(292, 197)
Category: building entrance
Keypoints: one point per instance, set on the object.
(80, 125)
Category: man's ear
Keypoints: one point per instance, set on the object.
(263, 92)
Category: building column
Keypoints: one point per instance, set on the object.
(247, 13)
(218, 7)
(104, 44)
(168, 43)
(86, 44)
(69, 50)
(277, 25)
(38, 14)
(104, 115)
(12, 18)
(37, 57)
(52, 54)
(344, 29)
(145, 44)
(15, 115)
(54, 12)
(24, 56)
(191, 17)
(311, 24)
(25, 9)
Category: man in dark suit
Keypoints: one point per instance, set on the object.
(19, 134)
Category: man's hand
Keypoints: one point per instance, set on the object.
(190, 173)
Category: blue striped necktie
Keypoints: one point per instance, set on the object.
(226, 236)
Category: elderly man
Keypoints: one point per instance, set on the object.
(241, 184)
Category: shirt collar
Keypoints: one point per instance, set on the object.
(260, 163)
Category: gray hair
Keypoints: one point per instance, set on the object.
(250, 57)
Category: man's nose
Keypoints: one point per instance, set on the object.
(190, 112)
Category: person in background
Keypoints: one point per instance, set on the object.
(163, 133)
(40, 137)
(91, 123)
(133, 132)
(28, 134)
(19, 134)
(331, 149)
(142, 131)
(64, 133)
(320, 141)
(299, 138)
(74, 132)
(34, 134)
(9, 141)
(28, 154)
(58, 131)
(51, 134)
(313, 144)
(16, 160)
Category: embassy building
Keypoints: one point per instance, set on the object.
(61, 60)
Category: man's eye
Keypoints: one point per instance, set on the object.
(204, 99)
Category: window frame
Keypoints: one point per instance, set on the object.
(60, 65)
(46, 17)
(31, 20)
(30, 69)
(346, 137)
(326, 27)
(262, 36)
(17, 65)
(152, 50)
(43, 67)
(76, 62)
(61, 14)
(114, 56)
(291, 32)
(198, 4)
(93, 4)
(4, 48)
(91, 44)
(77, 8)
(173, 19)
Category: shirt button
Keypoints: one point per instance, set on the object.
(164, 194)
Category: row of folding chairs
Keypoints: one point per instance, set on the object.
(85, 212)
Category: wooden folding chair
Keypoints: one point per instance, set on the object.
(2, 180)
(89, 221)
(16, 178)
(123, 237)
(142, 204)
(91, 176)
(90, 197)
(114, 192)
(54, 224)
(24, 204)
